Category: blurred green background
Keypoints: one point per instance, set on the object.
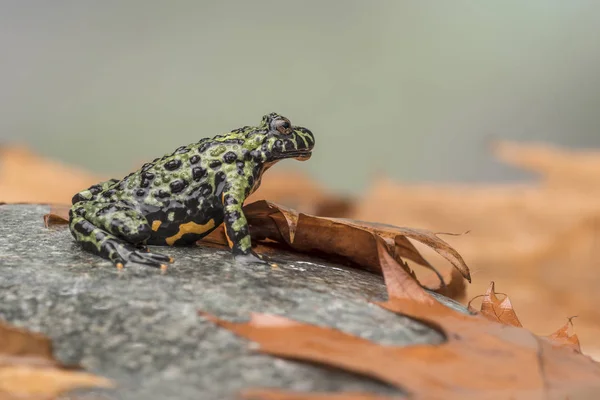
(412, 89)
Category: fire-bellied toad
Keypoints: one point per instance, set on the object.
(183, 196)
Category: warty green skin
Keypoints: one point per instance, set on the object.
(185, 195)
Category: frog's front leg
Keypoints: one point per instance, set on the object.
(114, 232)
(236, 230)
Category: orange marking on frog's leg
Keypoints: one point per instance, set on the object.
(156, 224)
(190, 227)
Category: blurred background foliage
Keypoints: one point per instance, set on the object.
(412, 88)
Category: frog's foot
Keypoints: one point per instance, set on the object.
(250, 258)
(109, 246)
(124, 254)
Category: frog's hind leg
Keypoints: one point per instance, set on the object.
(114, 232)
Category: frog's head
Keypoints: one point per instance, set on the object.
(284, 140)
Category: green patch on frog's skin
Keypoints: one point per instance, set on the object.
(185, 195)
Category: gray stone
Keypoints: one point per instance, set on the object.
(140, 328)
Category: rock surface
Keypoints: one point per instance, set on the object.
(139, 327)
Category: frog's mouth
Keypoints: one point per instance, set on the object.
(301, 155)
(304, 157)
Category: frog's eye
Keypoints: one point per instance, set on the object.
(283, 125)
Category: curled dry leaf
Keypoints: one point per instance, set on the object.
(353, 240)
(29, 371)
(480, 359)
(562, 338)
(58, 215)
(405, 249)
(498, 310)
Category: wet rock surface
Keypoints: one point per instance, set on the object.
(140, 328)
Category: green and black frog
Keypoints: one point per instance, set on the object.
(183, 196)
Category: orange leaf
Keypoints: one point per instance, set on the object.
(499, 311)
(58, 215)
(562, 338)
(26, 177)
(29, 371)
(18, 342)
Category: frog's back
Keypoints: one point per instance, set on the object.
(167, 180)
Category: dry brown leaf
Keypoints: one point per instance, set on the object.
(573, 288)
(557, 166)
(405, 249)
(498, 310)
(59, 215)
(18, 342)
(28, 178)
(480, 359)
(28, 371)
(562, 338)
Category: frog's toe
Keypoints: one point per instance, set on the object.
(250, 258)
(155, 260)
(132, 255)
